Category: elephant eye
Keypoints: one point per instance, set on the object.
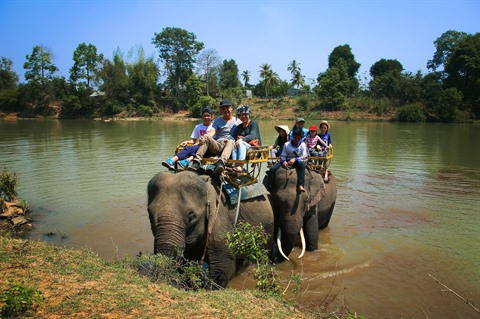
(191, 218)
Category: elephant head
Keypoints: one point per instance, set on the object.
(297, 213)
(188, 214)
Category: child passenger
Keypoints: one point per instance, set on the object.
(314, 142)
(282, 138)
(188, 153)
(327, 139)
(294, 154)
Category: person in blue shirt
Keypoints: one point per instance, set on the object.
(294, 154)
(326, 137)
(299, 126)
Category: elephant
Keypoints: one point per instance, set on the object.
(189, 214)
(303, 213)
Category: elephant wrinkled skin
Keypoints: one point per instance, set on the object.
(183, 208)
(310, 210)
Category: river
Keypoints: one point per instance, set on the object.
(407, 206)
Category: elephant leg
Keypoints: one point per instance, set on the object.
(310, 229)
(324, 220)
(222, 265)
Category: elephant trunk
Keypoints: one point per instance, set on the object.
(169, 239)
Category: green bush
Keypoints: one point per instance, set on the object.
(411, 113)
(8, 184)
(20, 300)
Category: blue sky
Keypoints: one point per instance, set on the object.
(250, 32)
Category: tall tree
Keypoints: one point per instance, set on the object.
(463, 71)
(269, 77)
(385, 66)
(246, 77)
(229, 75)
(333, 85)
(39, 66)
(143, 76)
(445, 45)
(297, 78)
(178, 50)
(86, 63)
(115, 83)
(208, 61)
(8, 84)
(344, 52)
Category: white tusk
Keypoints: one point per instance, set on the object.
(302, 238)
(279, 244)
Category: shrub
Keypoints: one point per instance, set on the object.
(20, 300)
(411, 113)
(8, 184)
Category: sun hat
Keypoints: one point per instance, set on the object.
(207, 110)
(225, 102)
(300, 119)
(326, 123)
(282, 127)
(312, 128)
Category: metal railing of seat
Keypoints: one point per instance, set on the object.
(255, 157)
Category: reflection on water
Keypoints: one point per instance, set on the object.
(407, 206)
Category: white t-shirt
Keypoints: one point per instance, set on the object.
(200, 130)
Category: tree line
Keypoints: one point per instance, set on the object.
(190, 77)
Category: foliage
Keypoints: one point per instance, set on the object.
(8, 185)
(8, 85)
(208, 64)
(115, 84)
(269, 77)
(174, 271)
(20, 300)
(411, 113)
(333, 85)
(344, 53)
(178, 50)
(385, 66)
(302, 102)
(250, 243)
(445, 46)
(143, 76)
(228, 75)
(86, 63)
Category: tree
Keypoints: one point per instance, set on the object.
(178, 50)
(333, 85)
(40, 71)
(463, 71)
(8, 84)
(39, 67)
(344, 52)
(445, 46)
(208, 61)
(86, 63)
(246, 77)
(228, 75)
(384, 66)
(297, 78)
(269, 77)
(143, 76)
(115, 84)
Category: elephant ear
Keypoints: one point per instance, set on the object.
(316, 189)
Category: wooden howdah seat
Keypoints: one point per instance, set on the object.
(256, 156)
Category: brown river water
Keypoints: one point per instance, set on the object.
(407, 207)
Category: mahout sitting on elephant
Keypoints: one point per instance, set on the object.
(300, 213)
(189, 213)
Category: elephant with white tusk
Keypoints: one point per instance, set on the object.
(300, 213)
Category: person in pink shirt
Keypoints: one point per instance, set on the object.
(314, 142)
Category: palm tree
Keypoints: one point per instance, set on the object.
(245, 77)
(269, 77)
(297, 77)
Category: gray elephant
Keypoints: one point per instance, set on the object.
(188, 213)
(300, 213)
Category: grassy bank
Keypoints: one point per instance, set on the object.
(74, 283)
